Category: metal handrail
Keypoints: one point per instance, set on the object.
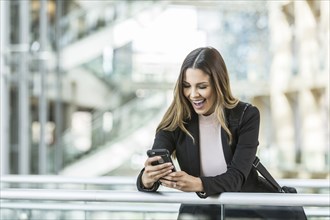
(160, 208)
(155, 208)
(130, 180)
(55, 179)
(306, 183)
(261, 199)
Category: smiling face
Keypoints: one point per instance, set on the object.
(198, 90)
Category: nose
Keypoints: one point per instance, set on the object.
(194, 93)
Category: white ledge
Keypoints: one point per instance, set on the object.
(262, 199)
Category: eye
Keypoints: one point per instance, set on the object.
(185, 85)
(202, 86)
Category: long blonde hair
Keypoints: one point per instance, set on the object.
(210, 61)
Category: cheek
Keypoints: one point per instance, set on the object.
(209, 96)
(186, 93)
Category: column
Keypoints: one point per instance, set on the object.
(24, 104)
(58, 103)
(4, 93)
(42, 165)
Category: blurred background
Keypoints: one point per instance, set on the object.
(85, 83)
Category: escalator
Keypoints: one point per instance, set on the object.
(116, 137)
(103, 50)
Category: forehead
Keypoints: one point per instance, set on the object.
(195, 76)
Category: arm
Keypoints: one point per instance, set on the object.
(148, 179)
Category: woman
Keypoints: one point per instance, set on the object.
(195, 130)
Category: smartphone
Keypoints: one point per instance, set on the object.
(165, 156)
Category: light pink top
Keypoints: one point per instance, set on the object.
(211, 152)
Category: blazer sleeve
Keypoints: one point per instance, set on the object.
(239, 168)
(163, 139)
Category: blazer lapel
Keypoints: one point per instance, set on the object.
(193, 147)
(225, 140)
(226, 147)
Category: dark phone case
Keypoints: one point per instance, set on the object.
(164, 153)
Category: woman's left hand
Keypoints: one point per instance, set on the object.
(182, 181)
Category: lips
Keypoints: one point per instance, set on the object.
(198, 104)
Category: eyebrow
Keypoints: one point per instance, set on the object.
(197, 83)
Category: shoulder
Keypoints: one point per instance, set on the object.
(243, 112)
(252, 110)
(242, 108)
(251, 115)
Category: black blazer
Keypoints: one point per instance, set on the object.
(239, 175)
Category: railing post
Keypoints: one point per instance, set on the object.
(85, 202)
(222, 211)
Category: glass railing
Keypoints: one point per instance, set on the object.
(58, 197)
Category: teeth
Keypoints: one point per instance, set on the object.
(198, 102)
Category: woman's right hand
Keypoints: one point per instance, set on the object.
(152, 173)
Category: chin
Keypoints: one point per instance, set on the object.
(200, 111)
